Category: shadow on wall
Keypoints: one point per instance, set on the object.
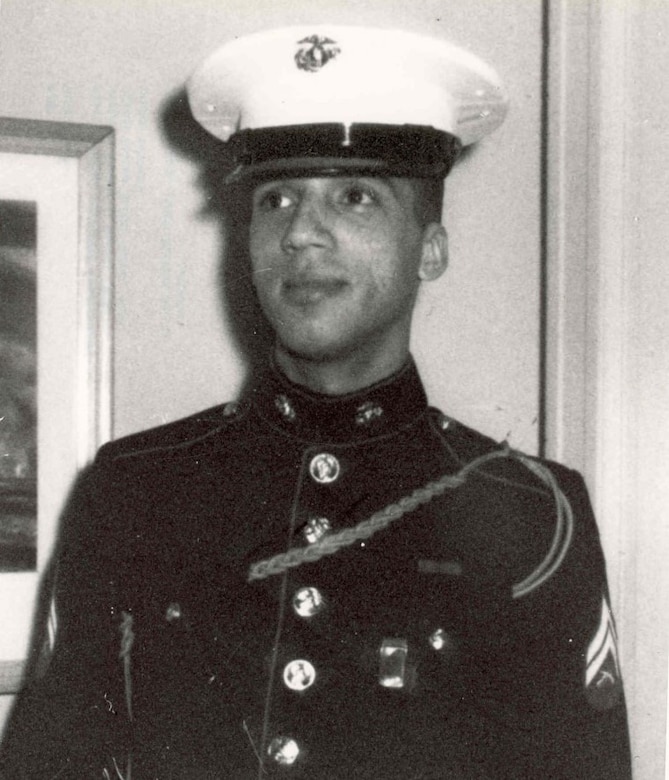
(230, 205)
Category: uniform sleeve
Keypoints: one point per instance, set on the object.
(70, 721)
(557, 686)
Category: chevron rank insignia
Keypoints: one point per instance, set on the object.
(603, 682)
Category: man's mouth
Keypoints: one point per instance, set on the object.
(307, 291)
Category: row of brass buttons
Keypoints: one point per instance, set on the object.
(308, 601)
(300, 674)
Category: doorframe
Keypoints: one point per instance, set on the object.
(598, 402)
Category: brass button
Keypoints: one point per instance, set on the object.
(445, 644)
(173, 612)
(308, 602)
(299, 675)
(324, 468)
(316, 529)
(283, 750)
(440, 640)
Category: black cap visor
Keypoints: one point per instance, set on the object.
(335, 149)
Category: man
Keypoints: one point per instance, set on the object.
(330, 579)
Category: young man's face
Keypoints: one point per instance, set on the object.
(336, 262)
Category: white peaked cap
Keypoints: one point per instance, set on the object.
(329, 75)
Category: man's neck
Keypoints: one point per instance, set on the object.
(343, 375)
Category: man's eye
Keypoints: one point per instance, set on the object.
(359, 196)
(274, 199)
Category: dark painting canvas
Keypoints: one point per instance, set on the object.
(18, 371)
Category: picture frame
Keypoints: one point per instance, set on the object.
(57, 201)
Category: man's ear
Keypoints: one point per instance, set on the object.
(434, 257)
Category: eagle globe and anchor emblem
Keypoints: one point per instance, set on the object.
(315, 52)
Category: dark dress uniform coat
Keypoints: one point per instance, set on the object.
(206, 632)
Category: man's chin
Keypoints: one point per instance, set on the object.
(313, 351)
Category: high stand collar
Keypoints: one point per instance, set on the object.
(379, 410)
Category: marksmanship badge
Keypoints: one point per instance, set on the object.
(315, 52)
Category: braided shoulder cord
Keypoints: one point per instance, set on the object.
(564, 531)
(332, 543)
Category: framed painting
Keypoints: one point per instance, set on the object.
(56, 251)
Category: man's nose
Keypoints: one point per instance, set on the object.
(307, 226)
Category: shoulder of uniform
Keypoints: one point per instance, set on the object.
(467, 445)
(517, 514)
(464, 442)
(173, 435)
